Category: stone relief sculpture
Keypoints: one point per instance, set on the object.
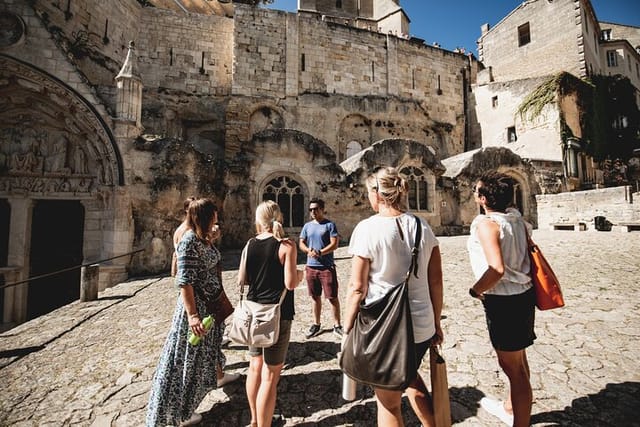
(28, 156)
(57, 157)
(50, 161)
(79, 161)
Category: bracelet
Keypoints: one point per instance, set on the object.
(193, 315)
(473, 293)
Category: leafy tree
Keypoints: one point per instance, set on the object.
(615, 119)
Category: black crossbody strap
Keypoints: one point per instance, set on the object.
(416, 250)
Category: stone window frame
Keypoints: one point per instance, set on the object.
(612, 58)
(349, 148)
(524, 34)
(289, 193)
(422, 184)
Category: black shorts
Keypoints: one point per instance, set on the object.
(510, 320)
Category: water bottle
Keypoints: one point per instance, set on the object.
(348, 388)
(207, 322)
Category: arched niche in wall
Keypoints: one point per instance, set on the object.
(353, 128)
(263, 118)
(521, 191)
(52, 139)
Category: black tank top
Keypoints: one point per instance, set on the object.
(265, 275)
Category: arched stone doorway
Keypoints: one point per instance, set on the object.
(56, 150)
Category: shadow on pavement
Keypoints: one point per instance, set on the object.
(615, 405)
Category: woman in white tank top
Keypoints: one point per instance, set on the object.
(500, 262)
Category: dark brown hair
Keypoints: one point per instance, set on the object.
(497, 188)
(200, 213)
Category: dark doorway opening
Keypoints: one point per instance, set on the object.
(5, 218)
(56, 243)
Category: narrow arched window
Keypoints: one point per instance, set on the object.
(288, 194)
(418, 193)
(353, 147)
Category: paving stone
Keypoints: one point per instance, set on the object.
(91, 364)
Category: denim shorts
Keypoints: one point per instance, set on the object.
(510, 320)
(276, 354)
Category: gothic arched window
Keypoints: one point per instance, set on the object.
(287, 193)
(417, 180)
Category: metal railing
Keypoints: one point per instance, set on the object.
(64, 270)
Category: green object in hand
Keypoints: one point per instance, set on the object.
(207, 322)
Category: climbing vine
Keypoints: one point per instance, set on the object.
(609, 117)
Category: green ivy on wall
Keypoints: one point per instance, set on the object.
(602, 100)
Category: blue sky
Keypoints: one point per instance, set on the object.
(456, 23)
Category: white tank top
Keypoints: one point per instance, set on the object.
(515, 255)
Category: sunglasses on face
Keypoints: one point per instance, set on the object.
(314, 209)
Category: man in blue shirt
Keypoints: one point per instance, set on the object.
(318, 239)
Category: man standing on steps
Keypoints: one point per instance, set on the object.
(318, 239)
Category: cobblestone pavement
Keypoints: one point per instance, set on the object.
(91, 364)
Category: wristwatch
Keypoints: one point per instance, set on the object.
(474, 294)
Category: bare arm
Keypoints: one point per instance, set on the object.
(186, 291)
(332, 246)
(287, 254)
(489, 236)
(358, 288)
(436, 292)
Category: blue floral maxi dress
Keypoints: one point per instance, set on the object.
(186, 373)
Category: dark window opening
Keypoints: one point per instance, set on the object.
(511, 134)
(524, 34)
(302, 63)
(494, 102)
(287, 193)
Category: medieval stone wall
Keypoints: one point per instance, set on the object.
(496, 109)
(554, 29)
(617, 205)
(187, 53)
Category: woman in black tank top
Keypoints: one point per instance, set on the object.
(270, 268)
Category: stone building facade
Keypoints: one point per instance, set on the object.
(102, 139)
(546, 39)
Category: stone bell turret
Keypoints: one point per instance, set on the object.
(129, 91)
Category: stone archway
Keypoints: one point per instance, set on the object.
(54, 146)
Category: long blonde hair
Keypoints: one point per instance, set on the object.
(390, 186)
(269, 218)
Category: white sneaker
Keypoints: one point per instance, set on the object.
(228, 378)
(196, 418)
(225, 341)
(496, 408)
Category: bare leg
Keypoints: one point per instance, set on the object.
(253, 385)
(317, 309)
(389, 408)
(219, 372)
(515, 365)
(421, 402)
(335, 305)
(266, 401)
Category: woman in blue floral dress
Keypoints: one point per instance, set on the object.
(186, 373)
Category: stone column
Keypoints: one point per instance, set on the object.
(18, 258)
